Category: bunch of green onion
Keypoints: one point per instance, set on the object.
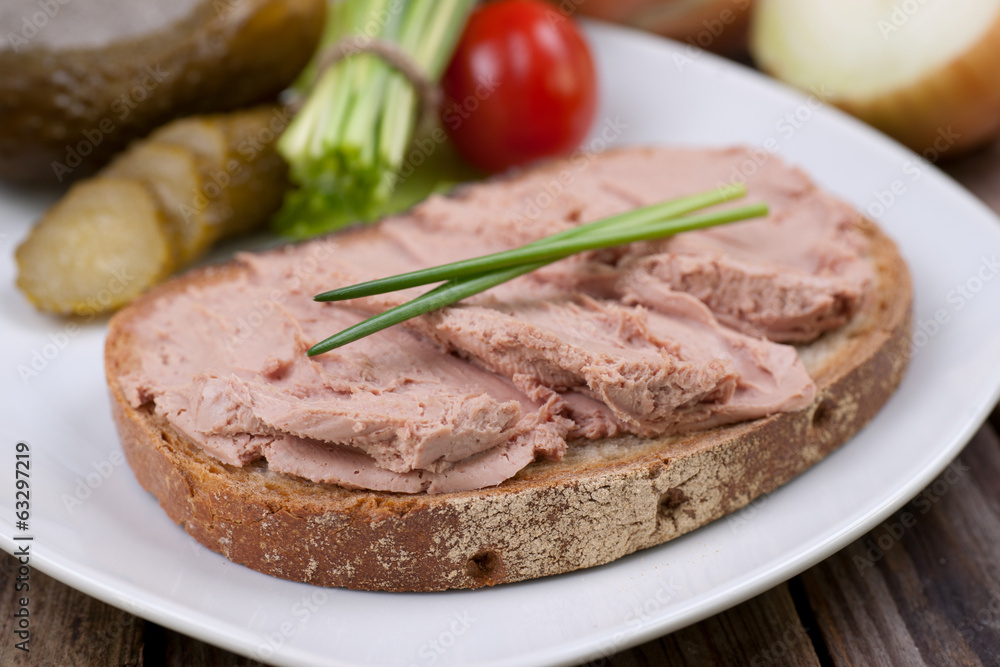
(469, 277)
(348, 140)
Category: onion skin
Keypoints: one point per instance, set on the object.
(716, 25)
(950, 111)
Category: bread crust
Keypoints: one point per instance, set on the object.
(604, 500)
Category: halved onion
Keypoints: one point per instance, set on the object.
(716, 25)
(926, 72)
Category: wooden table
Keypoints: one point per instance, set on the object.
(929, 594)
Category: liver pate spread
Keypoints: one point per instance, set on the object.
(650, 339)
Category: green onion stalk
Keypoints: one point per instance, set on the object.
(348, 140)
(469, 277)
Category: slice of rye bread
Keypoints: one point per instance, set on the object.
(605, 499)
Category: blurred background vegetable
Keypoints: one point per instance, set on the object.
(348, 141)
(82, 79)
(520, 87)
(926, 73)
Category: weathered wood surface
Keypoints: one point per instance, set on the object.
(766, 630)
(923, 588)
(66, 626)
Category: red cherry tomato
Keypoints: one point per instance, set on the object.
(521, 85)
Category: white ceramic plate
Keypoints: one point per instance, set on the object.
(97, 530)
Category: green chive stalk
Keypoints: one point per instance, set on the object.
(349, 139)
(548, 248)
(480, 274)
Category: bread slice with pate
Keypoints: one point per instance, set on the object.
(605, 404)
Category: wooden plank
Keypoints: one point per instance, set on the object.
(763, 631)
(923, 587)
(70, 628)
(66, 626)
(980, 173)
(182, 651)
(995, 419)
